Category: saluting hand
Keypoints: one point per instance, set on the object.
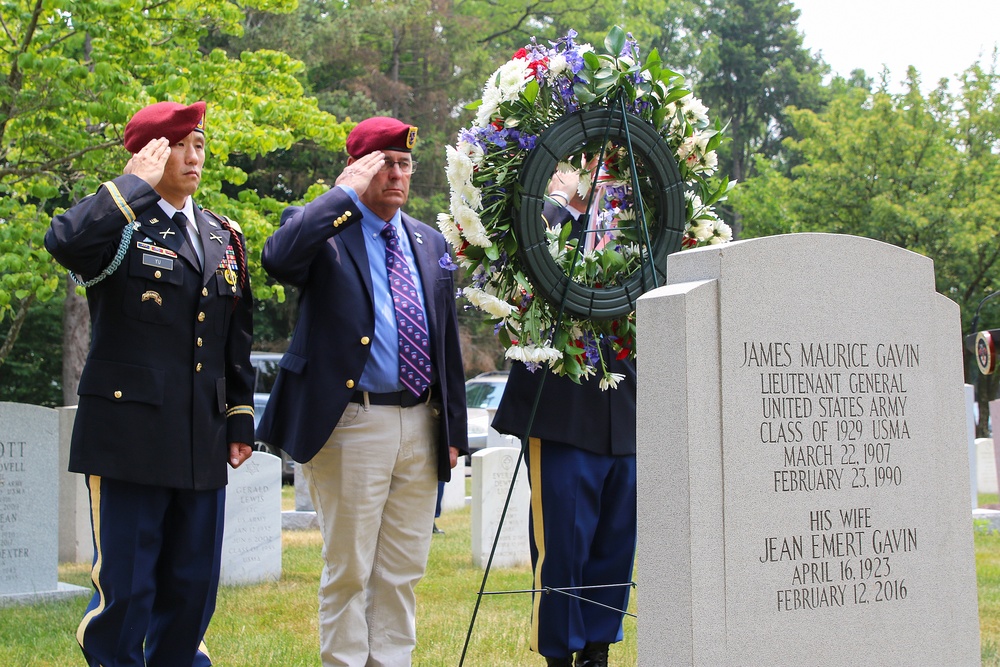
(149, 162)
(358, 174)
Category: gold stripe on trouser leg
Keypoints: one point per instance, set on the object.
(94, 483)
(538, 529)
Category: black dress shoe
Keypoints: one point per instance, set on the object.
(437, 531)
(593, 655)
(559, 662)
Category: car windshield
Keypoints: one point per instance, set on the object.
(483, 394)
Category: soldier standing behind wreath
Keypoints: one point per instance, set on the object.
(166, 393)
(582, 473)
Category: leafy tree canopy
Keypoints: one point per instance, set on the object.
(918, 171)
(71, 75)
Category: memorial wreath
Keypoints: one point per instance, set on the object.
(521, 105)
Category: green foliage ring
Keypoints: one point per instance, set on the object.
(565, 137)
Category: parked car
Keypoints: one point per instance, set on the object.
(265, 366)
(482, 396)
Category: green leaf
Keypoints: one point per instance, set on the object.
(583, 94)
(675, 95)
(530, 92)
(615, 41)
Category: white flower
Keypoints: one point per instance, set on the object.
(459, 168)
(708, 163)
(491, 102)
(611, 380)
(557, 65)
(700, 229)
(693, 197)
(471, 151)
(468, 195)
(470, 224)
(721, 233)
(492, 305)
(687, 148)
(512, 77)
(533, 354)
(556, 248)
(566, 167)
(694, 111)
(448, 229)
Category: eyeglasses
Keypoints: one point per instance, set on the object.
(405, 166)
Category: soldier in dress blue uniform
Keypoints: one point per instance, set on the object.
(166, 395)
(582, 472)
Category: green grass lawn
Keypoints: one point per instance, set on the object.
(275, 624)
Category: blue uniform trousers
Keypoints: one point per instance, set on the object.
(583, 533)
(157, 554)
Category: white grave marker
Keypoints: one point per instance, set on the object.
(251, 543)
(492, 472)
(29, 502)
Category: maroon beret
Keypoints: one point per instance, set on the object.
(380, 133)
(170, 120)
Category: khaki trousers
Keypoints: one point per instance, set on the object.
(374, 486)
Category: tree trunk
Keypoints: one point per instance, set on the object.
(76, 341)
(15, 328)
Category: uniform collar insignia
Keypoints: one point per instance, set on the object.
(216, 237)
(165, 233)
(153, 221)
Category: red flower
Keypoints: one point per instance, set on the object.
(534, 65)
(521, 53)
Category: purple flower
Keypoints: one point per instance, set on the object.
(590, 348)
(446, 263)
(471, 137)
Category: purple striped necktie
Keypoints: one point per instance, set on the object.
(411, 324)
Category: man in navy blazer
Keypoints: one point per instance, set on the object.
(373, 432)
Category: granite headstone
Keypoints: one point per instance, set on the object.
(803, 463)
